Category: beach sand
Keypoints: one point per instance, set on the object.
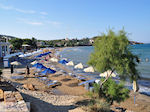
(64, 98)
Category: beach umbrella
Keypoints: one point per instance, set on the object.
(54, 59)
(38, 56)
(21, 56)
(41, 67)
(48, 71)
(15, 63)
(63, 61)
(37, 64)
(45, 50)
(135, 86)
(25, 45)
(79, 66)
(89, 69)
(70, 63)
(34, 62)
(107, 73)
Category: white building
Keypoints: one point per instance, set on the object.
(4, 49)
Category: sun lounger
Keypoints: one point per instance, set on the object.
(42, 78)
(53, 83)
(72, 75)
(80, 78)
(88, 81)
(17, 77)
(40, 74)
(48, 81)
(19, 72)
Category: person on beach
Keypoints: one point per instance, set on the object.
(28, 70)
(12, 69)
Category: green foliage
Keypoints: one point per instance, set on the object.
(34, 41)
(27, 41)
(112, 91)
(112, 52)
(17, 43)
(68, 43)
(98, 105)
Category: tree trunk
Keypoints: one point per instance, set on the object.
(101, 84)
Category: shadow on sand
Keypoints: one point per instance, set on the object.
(38, 105)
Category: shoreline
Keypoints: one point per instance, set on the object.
(43, 97)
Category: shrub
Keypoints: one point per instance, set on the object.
(114, 92)
(98, 105)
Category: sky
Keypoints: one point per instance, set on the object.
(58, 19)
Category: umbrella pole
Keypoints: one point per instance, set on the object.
(134, 98)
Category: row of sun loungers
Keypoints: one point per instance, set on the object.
(47, 81)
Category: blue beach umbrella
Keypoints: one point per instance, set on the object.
(36, 65)
(46, 53)
(63, 61)
(41, 67)
(38, 56)
(48, 71)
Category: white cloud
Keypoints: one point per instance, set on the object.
(55, 23)
(21, 10)
(25, 11)
(43, 13)
(16, 9)
(6, 7)
(35, 23)
(26, 21)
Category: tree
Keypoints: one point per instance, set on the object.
(34, 41)
(112, 52)
(17, 43)
(111, 91)
(114, 92)
(27, 41)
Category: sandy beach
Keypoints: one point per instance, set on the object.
(65, 96)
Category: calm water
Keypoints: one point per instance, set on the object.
(81, 54)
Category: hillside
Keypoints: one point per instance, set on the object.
(2, 36)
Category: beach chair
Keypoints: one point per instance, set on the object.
(81, 78)
(41, 79)
(88, 81)
(19, 77)
(53, 83)
(48, 81)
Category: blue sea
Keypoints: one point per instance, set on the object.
(81, 54)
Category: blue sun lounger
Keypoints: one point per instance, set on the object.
(41, 79)
(48, 81)
(80, 78)
(88, 81)
(52, 83)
